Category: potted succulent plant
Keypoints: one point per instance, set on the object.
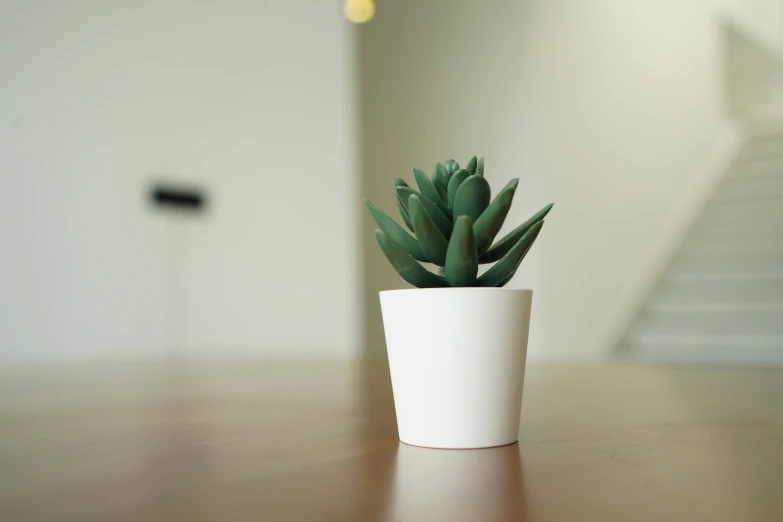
(457, 343)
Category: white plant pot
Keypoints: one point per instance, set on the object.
(457, 361)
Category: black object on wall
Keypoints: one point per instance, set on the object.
(172, 197)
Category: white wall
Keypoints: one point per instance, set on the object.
(753, 77)
(612, 109)
(253, 100)
(761, 18)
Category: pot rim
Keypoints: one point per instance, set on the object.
(457, 289)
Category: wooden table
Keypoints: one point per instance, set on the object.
(225, 440)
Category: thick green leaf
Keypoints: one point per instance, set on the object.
(396, 233)
(442, 192)
(500, 248)
(454, 183)
(513, 272)
(472, 198)
(399, 182)
(491, 220)
(404, 264)
(441, 174)
(513, 182)
(405, 215)
(472, 165)
(427, 189)
(443, 223)
(406, 192)
(480, 167)
(461, 257)
(451, 166)
(504, 269)
(432, 242)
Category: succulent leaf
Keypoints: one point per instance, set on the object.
(441, 221)
(500, 248)
(491, 220)
(472, 165)
(399, 182)
(454, 220)
(406, 217)
(441, 174)
(427, 189)
(461, 257)
(454, 183)
(406, 266)
(472, 198)
(504, 269)
(451, 166)
(513, 272)
(396, 233)
(432, 242)
(442, 192)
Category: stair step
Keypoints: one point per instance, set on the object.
(771, 130)
(738, 258)
(768, 144)
(710, 349)
(759, 187)
(721, 298)
(763, 146)
(736, 319)
(738, 235)
(762, 211)
(759, 166)
(756, 289)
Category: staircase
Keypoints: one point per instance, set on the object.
(720, 300)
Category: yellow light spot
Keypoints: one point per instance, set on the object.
(359, 11)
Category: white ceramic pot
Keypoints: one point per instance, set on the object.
(457, 361)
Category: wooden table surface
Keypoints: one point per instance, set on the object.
(225, 440)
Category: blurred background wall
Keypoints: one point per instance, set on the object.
(626, 114)
(615, 110)
(253, 102)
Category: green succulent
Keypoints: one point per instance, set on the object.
(455, 222)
